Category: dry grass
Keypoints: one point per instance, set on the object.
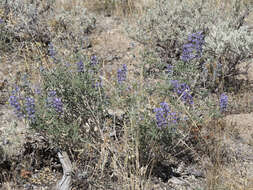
(68, 4)
(228, 178)
(229, 148)
(120, 8)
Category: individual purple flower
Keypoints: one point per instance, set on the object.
(67, 64)
(193, 48)
(80, 66)
(30, 108)
(122, 74)
(164, 117)
(223, 102)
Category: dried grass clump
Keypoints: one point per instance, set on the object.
(118, 7)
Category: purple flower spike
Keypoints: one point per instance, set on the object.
(57, 104)
(15, 103)
(122, 74)
(193, 48)
(80, 67)
(30, 108)
(223, 102)
(51, 50)
(169, 68)
(54, 102)
(94, 60)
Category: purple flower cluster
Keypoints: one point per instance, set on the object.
(29, 105)
(30, 108)
(37, 90)
(94, 60)
(54, 102)
(51, 50)
(164, 117)
(193, 48)
(80, 67)
(169, 68)
(122, 74)
(223, 102)
(182, 90)
(14, 101)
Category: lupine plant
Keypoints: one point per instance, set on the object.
(223, 102)
(68, 99)
(80, 66)
(54, 102)
(164, 117)
(183, 91)
(193, 48)
(121, 74)
(51, 50)
(23, 107)
(30, 108)
(169, 69)
(94, 60)
(14, 101)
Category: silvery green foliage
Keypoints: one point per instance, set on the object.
(42, 22)
(27, 21)
(228, 42)
(227, 47)
(75, 25)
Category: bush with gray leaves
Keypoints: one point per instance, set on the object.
(228, 41)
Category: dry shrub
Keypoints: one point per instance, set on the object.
(118, 7)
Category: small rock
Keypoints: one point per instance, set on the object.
(6, 141)
(118, 112)
(176, 181)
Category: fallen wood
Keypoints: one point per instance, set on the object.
(65, 182)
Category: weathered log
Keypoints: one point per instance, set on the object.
(65, 182)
